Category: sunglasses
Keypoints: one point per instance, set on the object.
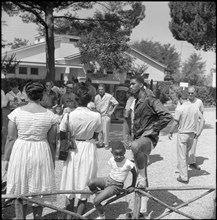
(191, 93)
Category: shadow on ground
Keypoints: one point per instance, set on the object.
(155, 209)
(113, 211)
(193, 173)
(200, 160)
(154, 158)
(9, 212)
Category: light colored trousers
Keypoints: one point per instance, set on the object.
(104, 135)
(184, 144)
(192, 152)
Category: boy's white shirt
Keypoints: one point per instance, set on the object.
(120, 170)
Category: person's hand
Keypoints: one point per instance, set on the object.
(110, 113)
(170, 136)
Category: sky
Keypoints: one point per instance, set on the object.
(154, 27)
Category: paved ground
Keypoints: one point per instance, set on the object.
(161, 172)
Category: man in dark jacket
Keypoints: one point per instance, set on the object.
(150, 116)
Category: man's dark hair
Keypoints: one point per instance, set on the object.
(82, 96)
(138, 78)
(13, 84)
(117, 145)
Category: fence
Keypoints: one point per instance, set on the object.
(137, 200)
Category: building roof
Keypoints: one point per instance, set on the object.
(77, 54)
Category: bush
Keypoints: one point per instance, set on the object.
(162, 91)
(166, 91)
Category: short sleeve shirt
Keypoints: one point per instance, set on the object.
(82, 123)
(120, 170)
(187, 115)
(103, 104)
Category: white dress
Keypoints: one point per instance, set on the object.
(81, 164)
(31, 168)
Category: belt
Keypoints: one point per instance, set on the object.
(83, 139)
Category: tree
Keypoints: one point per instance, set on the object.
(194, 22)
(18, 42)
(165, 54)
(193, 70)
(104, 39)
(42, 13)
(8, 63)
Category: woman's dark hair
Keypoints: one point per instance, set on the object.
(34, 90)
(82, 96)
(14, 84)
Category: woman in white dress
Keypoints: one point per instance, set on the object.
(30, 150)
(81, 164)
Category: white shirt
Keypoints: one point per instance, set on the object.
(103, 104)
(11, 95)
(187, 115)
(120, 170)
(4, 101)
(82, 122)
(199, 104)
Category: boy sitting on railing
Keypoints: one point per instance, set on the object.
(106, 187)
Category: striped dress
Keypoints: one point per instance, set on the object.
(31, 169)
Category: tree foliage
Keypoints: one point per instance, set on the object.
(8, 63)
(194, 22)
(44, 13)
(165, 54)
(193, 70)
(104, 39)
(18, 42)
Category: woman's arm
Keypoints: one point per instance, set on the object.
(11, 138)
(51, 137)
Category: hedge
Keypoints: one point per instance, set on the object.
(167, 91)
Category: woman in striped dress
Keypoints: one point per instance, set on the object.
(30, 150)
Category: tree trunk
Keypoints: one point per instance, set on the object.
(50, 49)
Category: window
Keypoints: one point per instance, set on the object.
(62, 76)
(23, 70)
(34, 71)
(73, 40)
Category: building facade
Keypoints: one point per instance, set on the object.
(68, 64)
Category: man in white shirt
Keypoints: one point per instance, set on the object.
(105, 104)
(186, 118)
(14, 96)
(198, 103)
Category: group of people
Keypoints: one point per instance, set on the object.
(31, 144)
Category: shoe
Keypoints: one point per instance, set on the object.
(181, 180)
(101, 217)
(141, 182)
(194, 166)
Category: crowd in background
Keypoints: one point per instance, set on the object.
(89, 119)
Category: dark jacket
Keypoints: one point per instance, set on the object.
(150, 116)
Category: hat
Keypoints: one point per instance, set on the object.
(69, 85)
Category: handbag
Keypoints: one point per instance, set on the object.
(67, 143)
